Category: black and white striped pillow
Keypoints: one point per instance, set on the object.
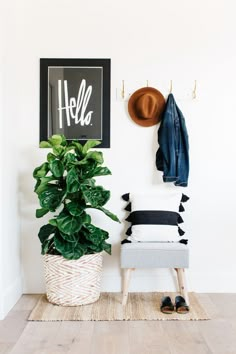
(155, 218)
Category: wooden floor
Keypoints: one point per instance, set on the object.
(218, 335)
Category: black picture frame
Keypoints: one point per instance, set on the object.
(75, 99)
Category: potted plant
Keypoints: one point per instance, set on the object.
(71, 245)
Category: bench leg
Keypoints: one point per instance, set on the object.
(182, 283)
(126, 280)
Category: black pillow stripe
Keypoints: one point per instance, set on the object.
(154, 217)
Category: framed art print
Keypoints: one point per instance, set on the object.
(75, 99)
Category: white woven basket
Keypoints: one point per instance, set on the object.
(73, 282)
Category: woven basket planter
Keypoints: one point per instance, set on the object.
(73, 282)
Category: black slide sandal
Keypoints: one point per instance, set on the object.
(166, 305)
(180, 305)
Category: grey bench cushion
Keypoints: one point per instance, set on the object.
(154, 255)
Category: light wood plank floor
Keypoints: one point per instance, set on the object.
(217, 336)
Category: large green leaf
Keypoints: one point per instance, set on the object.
(58, 150)
(86, 170)
(101, 171)
(41, 212)
(96, 196)
(69, 250)
(96, 156)
(69, 224)
(37, 184)
(108, 213)
(63, 141)
(91, 169)
(106, 247)
(41, 171)
(103, 246)
(75, 208)
(45, 144)
(87, 218)
(72, 181)
(51, 198)
(89, 182)
(43, 184)
(70, 160)
(93, 248)
(53, 222)
(56, 167)
(45, 231)
(50, 157)
(90, 144)
(56, 139)
(94, 234)
(69, 238)
(68, 148)
(47, 246)
(92, 155)
(78, 147)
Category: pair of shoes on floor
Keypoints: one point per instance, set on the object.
(180, 305)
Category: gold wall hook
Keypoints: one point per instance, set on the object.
(194, 94)
(123, 89)
(170, 91)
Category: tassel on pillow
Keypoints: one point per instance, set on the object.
(181, 208)
(184, 241)
(181, 232)
(129, 231)
(184, 198)
(125, 197)
(125, 241)
(128, 207)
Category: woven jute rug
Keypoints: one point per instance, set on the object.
(140, 306)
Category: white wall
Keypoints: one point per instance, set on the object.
(156, 41)
(1, 180)
(10, 265)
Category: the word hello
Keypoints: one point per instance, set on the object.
(75, 109)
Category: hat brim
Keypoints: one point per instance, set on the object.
(161, 105)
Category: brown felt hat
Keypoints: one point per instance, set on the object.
(146, 106)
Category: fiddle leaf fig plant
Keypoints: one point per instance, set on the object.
(65, 183)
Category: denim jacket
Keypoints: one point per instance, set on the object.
(172, 156)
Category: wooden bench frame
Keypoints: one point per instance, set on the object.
(180, 277)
